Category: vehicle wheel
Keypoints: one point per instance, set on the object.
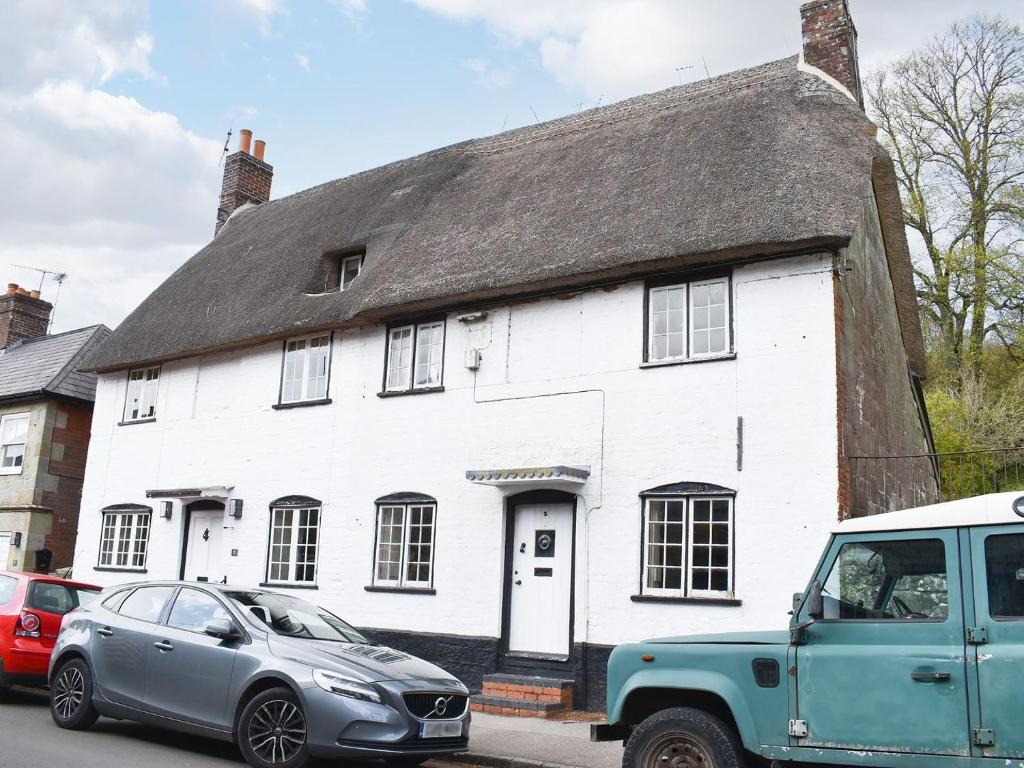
(71, 696)
(682, 738)
(272, 730)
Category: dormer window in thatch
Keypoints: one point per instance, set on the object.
(344, 268)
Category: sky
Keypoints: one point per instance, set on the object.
(114, 113)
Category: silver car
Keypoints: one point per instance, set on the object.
(283, 678)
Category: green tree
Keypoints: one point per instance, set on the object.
(952, 117)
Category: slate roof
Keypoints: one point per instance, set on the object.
(755, 163)
(50, 366)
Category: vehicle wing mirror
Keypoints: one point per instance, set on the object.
(220, 628)
(815, 602)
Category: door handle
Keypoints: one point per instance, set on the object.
(105, 631)
(163, 645)
(930, 677)
(519, 582)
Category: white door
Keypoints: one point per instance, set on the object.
(204, 559)
(541, 579)
(5, 548)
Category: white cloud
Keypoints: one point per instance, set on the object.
(616, 48)
(98, 39)
(303, 61)
(247, 113)
(109, 191)
(487, 75)
(355, 10)
(263, 11)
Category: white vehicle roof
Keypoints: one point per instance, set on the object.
(991, 509)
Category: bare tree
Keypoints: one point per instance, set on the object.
(952, 117)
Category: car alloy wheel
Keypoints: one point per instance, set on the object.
(277, 731)
(68, 692)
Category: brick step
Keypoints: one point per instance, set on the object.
(529, 689)
(505, 705)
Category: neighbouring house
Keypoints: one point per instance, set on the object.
(511, 402)
(45, 414)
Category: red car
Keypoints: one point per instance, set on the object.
(31, 609)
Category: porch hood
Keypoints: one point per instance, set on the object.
(558, 476)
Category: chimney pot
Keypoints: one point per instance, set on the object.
(261, 147)
(244, 139)
(23, 315)
(830, 42)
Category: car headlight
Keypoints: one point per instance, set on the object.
(345, 686)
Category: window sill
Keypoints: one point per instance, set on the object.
(113, 569)
(288, 585)
(301, 404)
(718, 601)
(136, 421)
(403, 392)
(16, 471)
(402, 590)
(688, 361)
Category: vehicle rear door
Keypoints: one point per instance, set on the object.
(189, 672)
(883, 669)
(997, 635)
(121, 643)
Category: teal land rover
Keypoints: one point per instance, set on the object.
(906, 649)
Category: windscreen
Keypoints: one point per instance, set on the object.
(291, 617)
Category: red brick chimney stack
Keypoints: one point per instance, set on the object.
(23, 315)
(830, 42)
(247, 178)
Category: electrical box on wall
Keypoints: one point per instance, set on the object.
(473, 359)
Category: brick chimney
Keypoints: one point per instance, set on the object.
(23, 315)
(830, 42)
(246, 178)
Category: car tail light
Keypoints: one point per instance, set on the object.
(28, 625)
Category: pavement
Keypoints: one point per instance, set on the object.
(530, 742)
(29, 739)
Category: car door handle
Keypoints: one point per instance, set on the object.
(930, 677)
(163, 645)
(105, 631)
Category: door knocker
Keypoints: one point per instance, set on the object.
(206, 535)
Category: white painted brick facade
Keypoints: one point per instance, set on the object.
(215, 426)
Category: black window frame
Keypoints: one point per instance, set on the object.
(406, 500)
(687, 278)
(281, 405)
(415, 323)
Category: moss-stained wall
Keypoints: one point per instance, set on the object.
(879, 412)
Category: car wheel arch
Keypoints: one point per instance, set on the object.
(66, 656)
(255, 688)
(641, 703)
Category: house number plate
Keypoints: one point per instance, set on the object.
(440, 729)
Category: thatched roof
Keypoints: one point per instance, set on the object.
(755, 163)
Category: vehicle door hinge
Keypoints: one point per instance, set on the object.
(798, 728)
(977, 635)
(983, 737)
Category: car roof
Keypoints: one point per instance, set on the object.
(216, 587)
(23, 576)
(990, 509)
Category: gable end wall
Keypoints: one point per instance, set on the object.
(879, 413)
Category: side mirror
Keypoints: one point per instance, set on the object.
(220, 628)
(815, 602)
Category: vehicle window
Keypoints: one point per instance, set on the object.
(113, 602)
(7, 586)
(292, 617)
(192, 609)
(52, 597)
(1004, 562)
(903, 580)
(146, 603)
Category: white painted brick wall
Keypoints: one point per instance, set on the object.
(215, 426)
